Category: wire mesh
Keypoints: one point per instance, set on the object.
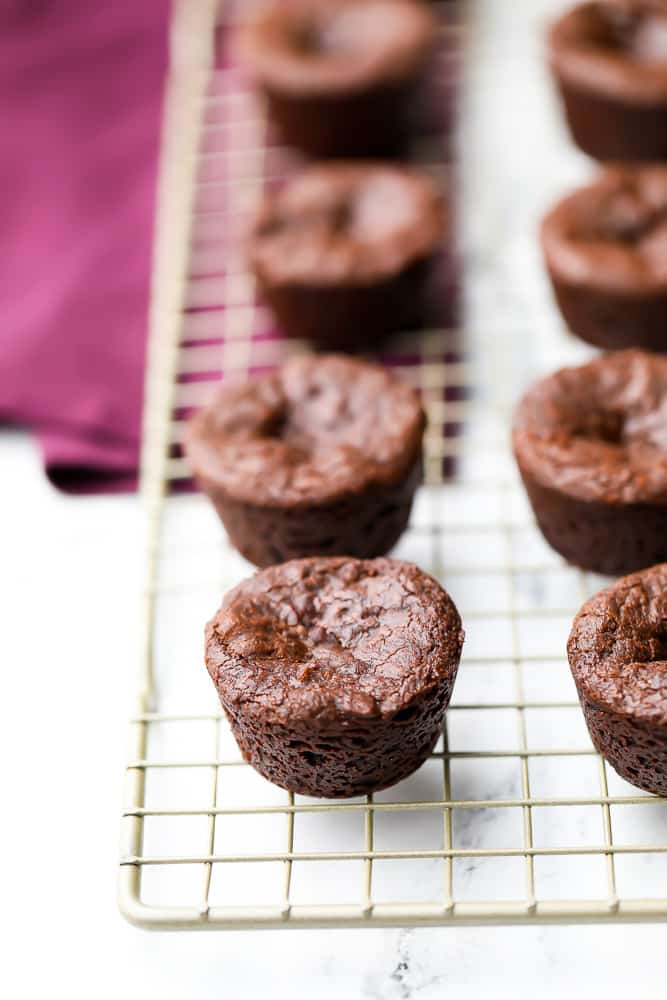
(514, 818)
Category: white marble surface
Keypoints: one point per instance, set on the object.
(68, 583)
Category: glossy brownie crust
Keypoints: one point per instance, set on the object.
(343, 253)
(335, 673)
(618, 656)
(609, 58)
(591, 446)
(322, 457)
(341, 78)
(605, 247)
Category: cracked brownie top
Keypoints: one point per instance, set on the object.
(318, 640)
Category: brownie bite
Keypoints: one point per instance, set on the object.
(609, 58)
(591, 446)
(322, 457)
(341, 77)
(342, 253)
(335, 673)
(605, 248)
(618, 656)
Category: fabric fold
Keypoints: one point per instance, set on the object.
(80, 103)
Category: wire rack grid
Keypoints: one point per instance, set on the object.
(514, 818)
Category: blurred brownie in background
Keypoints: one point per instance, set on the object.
(605, 248)
(609, 58)
(343, 253)
(341, 77)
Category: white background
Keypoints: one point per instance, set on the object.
(68, 584)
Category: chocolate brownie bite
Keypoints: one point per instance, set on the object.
(591, 446)
(609, 58)
(335, 673)
(618, 657)
(322, 457)
(341, 77)
(343, 252)
(605, 248)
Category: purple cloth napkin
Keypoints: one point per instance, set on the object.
(80, 107)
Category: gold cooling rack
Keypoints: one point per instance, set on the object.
(514, 819)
